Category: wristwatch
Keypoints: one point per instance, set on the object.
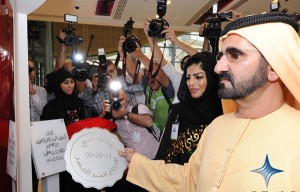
(126, 116)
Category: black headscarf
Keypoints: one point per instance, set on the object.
(201, 110)
(63, 99)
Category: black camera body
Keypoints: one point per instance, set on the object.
(213, 29)
(156, 26)
(80, 74)
(71, 39)
(223, 16)
(128, 26)
(103, 80)
(129, 44)
(102, 70)
(115, 104)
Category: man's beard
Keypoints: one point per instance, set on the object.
(242, 89)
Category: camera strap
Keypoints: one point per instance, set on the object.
(151, 130)
(136, 72)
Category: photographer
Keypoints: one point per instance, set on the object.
(159, 90)
(83, 86)
(132, 128)
(134, 92)
(132, 131)
(167, 67)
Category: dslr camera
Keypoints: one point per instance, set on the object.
(71, 39)
(156, 26)
(80, 72)
(129, 44)
(115, 103)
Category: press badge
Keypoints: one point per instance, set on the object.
(174, 131)
(136, 137)
(153, 104)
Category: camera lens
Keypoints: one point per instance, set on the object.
(129, 45)
(156, 26)
(102, 81)
(116, 105)
(80, 74)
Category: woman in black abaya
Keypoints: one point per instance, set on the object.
(199, 105)
(66, 105)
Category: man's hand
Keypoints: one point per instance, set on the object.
(201, 28)
(32, 91)
(170, 35)
(235, 15)
(146, 26)
(128, 153)
(105, 108)
(120, 46)
(119, 113)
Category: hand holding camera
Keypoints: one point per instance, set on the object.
(171, 35)
(155, 27)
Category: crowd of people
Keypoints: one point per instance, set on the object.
(172, 123)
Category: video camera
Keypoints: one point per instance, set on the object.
(156, 26)
(275, 6)
(213, 29)
(129, 44)
(71, 39)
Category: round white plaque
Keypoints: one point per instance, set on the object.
(92, 158)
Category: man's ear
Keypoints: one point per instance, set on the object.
(272, 76)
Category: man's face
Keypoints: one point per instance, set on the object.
(242, 69)
(32, 70)
(111, 70)
(153, 82)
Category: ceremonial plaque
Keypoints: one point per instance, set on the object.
(92, 158)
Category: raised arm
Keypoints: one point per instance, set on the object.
(161, 76)
(61, 55)
(171, 36)
(130, 66)
(158, 56)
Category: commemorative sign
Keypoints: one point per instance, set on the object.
(92, 158)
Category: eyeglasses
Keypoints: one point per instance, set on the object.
(234, 55)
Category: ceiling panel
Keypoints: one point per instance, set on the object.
(181, 14)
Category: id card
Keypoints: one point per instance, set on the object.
(136, 137)
(174, 132)
(153, 104)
